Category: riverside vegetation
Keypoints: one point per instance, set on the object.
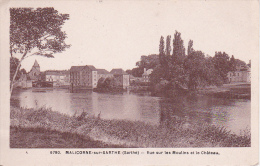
(44, 128)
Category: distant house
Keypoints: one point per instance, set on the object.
(58, 77)
(34, 73)
(24, 81)
(103, 73)
(135, 79)
(83, 76)
(146, 75)
(242, 74)
(122, 77)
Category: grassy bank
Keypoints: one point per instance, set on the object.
(46, 128)
(233, 91)
(40, 137)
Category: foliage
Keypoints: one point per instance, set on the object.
(192, 70)
(148, 62)
(168, 46)
(36, 32)
(194, 67)
(186, 71)
(138, 71)
(157, 75)
(58, 128)
(239, 62)
(40, 28)
(14, 62)
(162, 52)
(128, 71)
(222, 65)
(23, 71)
(108, 84)
(178, 49)
(232, 63)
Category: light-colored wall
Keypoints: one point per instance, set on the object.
(239, 76)
(94, 79)
(126, 81)
(58, 79)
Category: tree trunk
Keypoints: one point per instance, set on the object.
(14, 77)
(17, 69)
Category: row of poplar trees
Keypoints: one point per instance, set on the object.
(191, 70)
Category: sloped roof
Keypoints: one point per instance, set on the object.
(118, 72)
(77, 68)
(102, 71)
(92, 67)
(57, 72)
(36, 64)
(131, 76)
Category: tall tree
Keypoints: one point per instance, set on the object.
(36, 32)
(14, 62)
(177, 74)
(221, 63)
(190, 47)
(232, 63)
(162, 52)
(178, 46)
(168, 48)
(194, 69)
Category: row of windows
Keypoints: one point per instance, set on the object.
(234, 74)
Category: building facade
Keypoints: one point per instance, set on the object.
(83, 76)
(242, 74)
(35, 72)
(59, 78)
(122, 77)
(146, 75)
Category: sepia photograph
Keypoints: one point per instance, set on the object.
(124, 75)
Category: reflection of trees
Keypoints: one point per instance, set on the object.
(182, 110)
(171, 112)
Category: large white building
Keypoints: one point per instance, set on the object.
(242, 74)
(59, 78)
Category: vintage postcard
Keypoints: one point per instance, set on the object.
(110, 82)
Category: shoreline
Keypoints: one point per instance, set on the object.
(113, 133)
(230, 91)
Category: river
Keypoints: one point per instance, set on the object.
(233, 114)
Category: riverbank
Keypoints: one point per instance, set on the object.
(44, 128)
(230, 91)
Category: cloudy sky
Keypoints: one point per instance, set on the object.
(114, 34)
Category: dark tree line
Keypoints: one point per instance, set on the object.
(14, 62)
(191, 70)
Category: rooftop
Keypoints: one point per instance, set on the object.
(118, 72)
(57, 72)
(102, 71)
(77, 68)
(92, 67)
(36, 64)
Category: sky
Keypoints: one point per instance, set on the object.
(115, 34)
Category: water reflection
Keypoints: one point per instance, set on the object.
(232, 114)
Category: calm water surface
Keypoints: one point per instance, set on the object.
(232, 114)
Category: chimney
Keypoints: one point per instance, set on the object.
(144, 70)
